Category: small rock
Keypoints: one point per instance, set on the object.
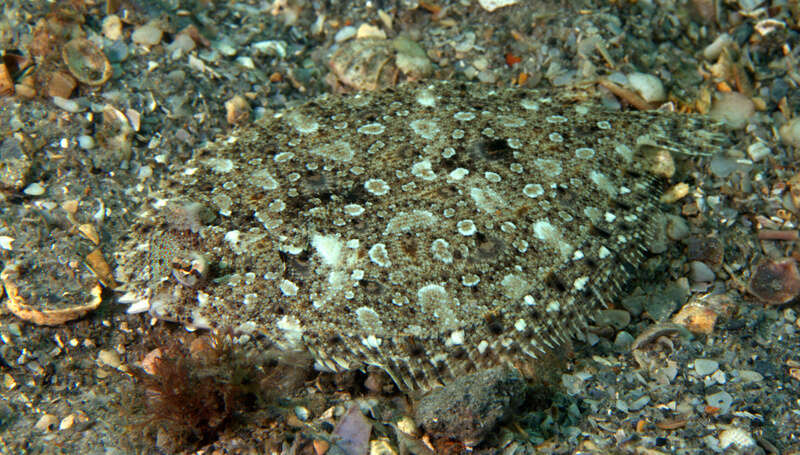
(148, 34)
(67, 422)
(370, 31)
(718, 377)
(634, 304)
(619, 319)
(696, 317)
(109, 357)
(713, 50)
(758, 151)
(86, 142)
(353, 430)
(182, 44)
(675, 193)
(67, 105)
(700, 272)
(721, 400)
(46, 422)
(775, 282)
(411, 58)
(34, 189)
(662, 304)
(722, 166)
(61, 84)
(345, 34)
(790, 132)
(648, 87)
(708, 250)
(750, 376)
(623, 341)
(237, 110)
(733, 108)
(704, 367)
(639, 403)
(15, 163)
(112, 27)
(471, 407)
(677, 227)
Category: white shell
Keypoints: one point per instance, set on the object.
(736, 437)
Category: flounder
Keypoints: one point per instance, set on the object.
(430, 230)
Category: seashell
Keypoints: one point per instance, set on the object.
(737, 437)
(98, 265)
(86, 62)
(365, 64)
(32, 303)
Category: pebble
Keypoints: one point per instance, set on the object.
(623, 341)
(237, 110)
(705, 249)
(790, 132)
(182, 44)
(272, 48)
(750, 376)
(677, 227)
(733, 108)
(700, 272)
(639, 403)
(722, 166)
(758, 151)
(704, 367)
(721, 400)
(86, 142)
(619, 319)
(649, 87)
(370, 31)
(112, 27)
(697, 318)
(775, 282)
(46, 422)
(661, 305)
(34, 189)
(67, 105)
(713, 50)
(471, 407)
(67, 422)
(148, 34)
(411, 58)
(675, 193)
(15, 161)
(718, 377)
(345, 34)
(109, 357)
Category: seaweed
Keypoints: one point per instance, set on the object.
(190, 395)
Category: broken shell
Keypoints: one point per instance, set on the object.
(28, 302)
(98, 265)
(365, 64)
(61, 84)
(775, 282)
(86, 62)
(6, 83)
(696, 317)
(116, 130)
(88, 231)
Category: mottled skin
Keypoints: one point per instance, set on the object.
(430, 230)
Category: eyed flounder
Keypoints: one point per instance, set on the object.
(429, 230)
